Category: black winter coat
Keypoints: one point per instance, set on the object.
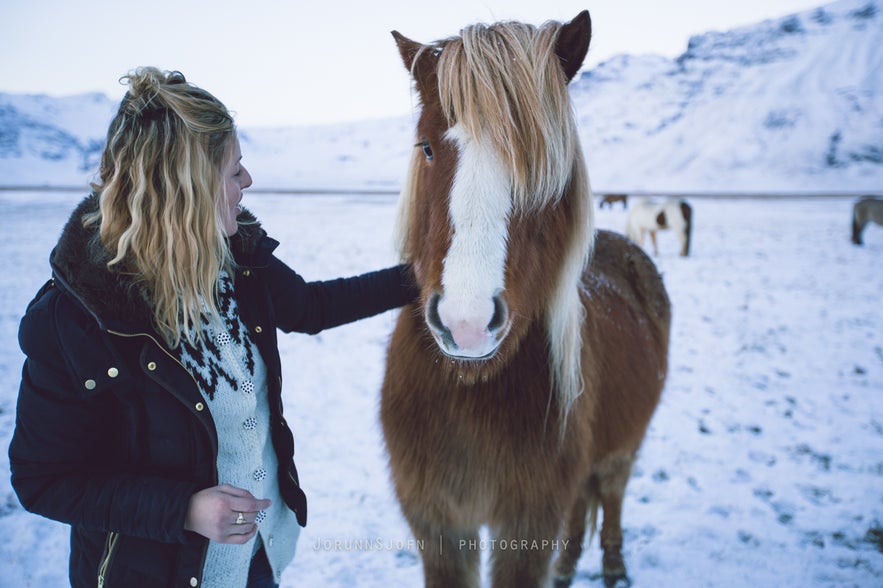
(112, 435)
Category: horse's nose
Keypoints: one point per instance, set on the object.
(434, 320)
(471, 330)
(498, 319)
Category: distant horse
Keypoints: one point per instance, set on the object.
(866, 209)
(609, 199)
(519, 387)
(649, 217)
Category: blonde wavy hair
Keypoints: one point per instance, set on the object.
(160, 184)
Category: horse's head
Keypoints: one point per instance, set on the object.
(495, 215)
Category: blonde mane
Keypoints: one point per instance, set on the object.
(504, 82)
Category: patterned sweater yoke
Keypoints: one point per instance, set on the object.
(232, 378)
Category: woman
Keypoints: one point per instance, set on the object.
(150, 412)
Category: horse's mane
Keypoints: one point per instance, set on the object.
(504, 82)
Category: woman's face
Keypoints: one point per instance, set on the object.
(236, 179)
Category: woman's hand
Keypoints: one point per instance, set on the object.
(224, 514)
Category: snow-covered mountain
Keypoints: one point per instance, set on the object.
(789, 104)
(47, 141)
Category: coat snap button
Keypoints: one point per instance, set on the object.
(258, 329)
(113, 372)
(90, 384)
(194, 582)
(246, 273)
(200, 406)
(151, 366)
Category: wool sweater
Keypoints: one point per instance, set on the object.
(232, 377)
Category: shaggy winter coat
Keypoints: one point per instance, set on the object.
(112, 435)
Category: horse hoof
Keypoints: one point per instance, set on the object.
(614, 570)
(618, 581)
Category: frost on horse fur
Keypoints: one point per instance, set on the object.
(512, 399)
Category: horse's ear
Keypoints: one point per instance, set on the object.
(421, 64)
(408, 49)
(573, 43)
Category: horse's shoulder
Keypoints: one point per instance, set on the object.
(611, 245)
(617, 261)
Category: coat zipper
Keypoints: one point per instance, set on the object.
(161, 348)
(172, 357)
(109, 548)
(175, 359)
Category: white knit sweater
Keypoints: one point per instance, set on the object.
(232, 377)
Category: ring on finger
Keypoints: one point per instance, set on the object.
(240, 518)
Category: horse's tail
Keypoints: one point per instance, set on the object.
(687, 213)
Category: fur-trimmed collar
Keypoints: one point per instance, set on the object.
(79, 263)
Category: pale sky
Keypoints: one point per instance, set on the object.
(276, 62)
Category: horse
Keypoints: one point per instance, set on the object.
(609, 199)
(865, 210)
(649, 216)
(521, 382)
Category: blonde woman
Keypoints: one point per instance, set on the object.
(150, 413)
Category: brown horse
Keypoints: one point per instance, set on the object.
(610, 199)
(520, 386)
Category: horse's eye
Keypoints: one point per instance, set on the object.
(427, 150)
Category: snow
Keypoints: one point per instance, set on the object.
(762, 466)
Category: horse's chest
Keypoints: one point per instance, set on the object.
(482, 432)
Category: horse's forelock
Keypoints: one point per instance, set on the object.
(504, 83)
(404, 222)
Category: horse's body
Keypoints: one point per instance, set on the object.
(518, 390)
(610, 199)
(648, 217)
(867, 209)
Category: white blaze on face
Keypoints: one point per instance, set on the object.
(474, 269)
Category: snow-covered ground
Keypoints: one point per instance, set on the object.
(763, 465)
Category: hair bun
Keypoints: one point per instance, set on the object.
(146, 88)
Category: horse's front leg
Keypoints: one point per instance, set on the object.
(613, 476)
(450, 558)
(523, 559)
(653, 241)
(571, 545)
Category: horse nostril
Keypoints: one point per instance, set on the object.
(500, 314)
(432, 316)
(434, 320)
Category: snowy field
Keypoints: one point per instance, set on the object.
(763, 466)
